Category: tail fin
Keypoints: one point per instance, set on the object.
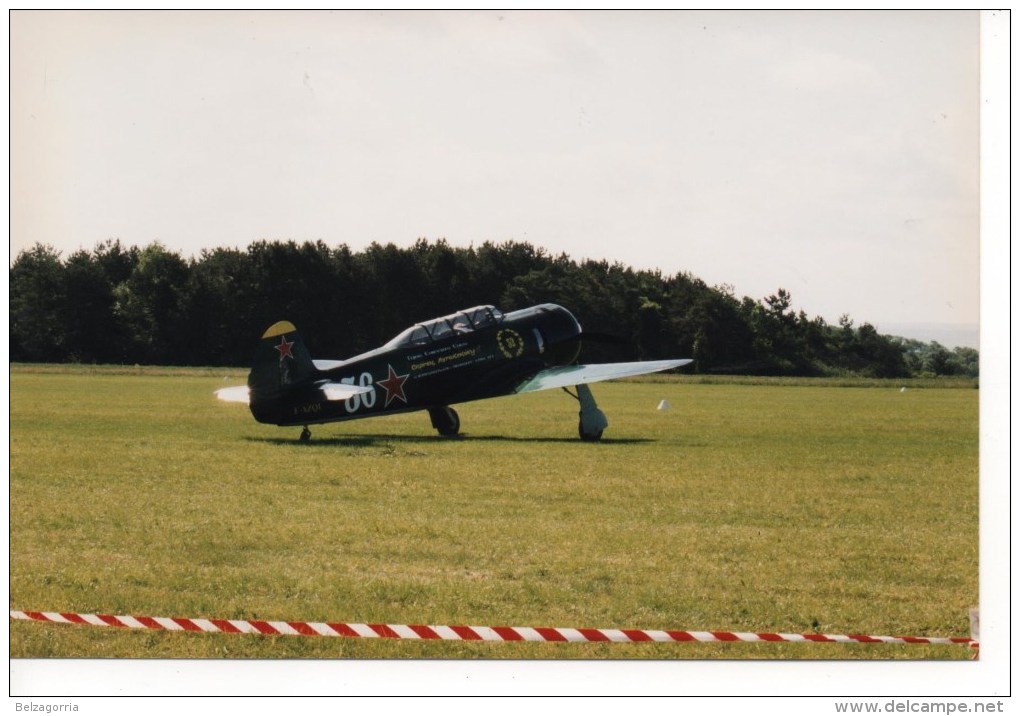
(281, 362)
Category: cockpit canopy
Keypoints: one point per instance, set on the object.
(465, 321)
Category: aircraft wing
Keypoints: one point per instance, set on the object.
(564, 376)
(331, 391)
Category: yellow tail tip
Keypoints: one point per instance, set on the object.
(278, 329)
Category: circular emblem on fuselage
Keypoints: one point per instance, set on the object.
(510, 343)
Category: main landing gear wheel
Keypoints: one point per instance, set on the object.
(592, 420)
(445, 420)
(589, 437)
(306, 435)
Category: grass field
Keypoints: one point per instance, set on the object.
(747, 507)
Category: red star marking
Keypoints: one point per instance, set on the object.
(284, 348)
(394, 385)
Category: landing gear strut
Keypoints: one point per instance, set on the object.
(445, 420)
(306, 435)
(592, 420)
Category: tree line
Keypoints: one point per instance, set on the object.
(150, 305)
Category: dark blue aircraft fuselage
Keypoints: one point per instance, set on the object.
(473, 354)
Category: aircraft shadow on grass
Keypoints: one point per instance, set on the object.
(475, 354)
(381, 440)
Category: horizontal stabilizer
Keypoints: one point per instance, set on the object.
(342, 391)
(565, 376)
(324, 364)
(331, 391)
(233, 394)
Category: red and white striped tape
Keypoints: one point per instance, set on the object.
(462, 633)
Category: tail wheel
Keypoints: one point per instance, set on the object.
(306, 435)
(445, 420)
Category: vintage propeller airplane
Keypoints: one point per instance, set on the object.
(470, 355)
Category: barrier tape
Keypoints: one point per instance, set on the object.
(463, 633)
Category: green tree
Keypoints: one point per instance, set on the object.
(967, 361)
(939, 361)
(150, 306)
(38, 300)
(879, 356)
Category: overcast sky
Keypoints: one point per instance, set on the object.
(834, 154)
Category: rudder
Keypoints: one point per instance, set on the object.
(282, 362)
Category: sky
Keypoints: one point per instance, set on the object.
(833, 154)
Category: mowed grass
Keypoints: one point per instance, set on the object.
(744, 508)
